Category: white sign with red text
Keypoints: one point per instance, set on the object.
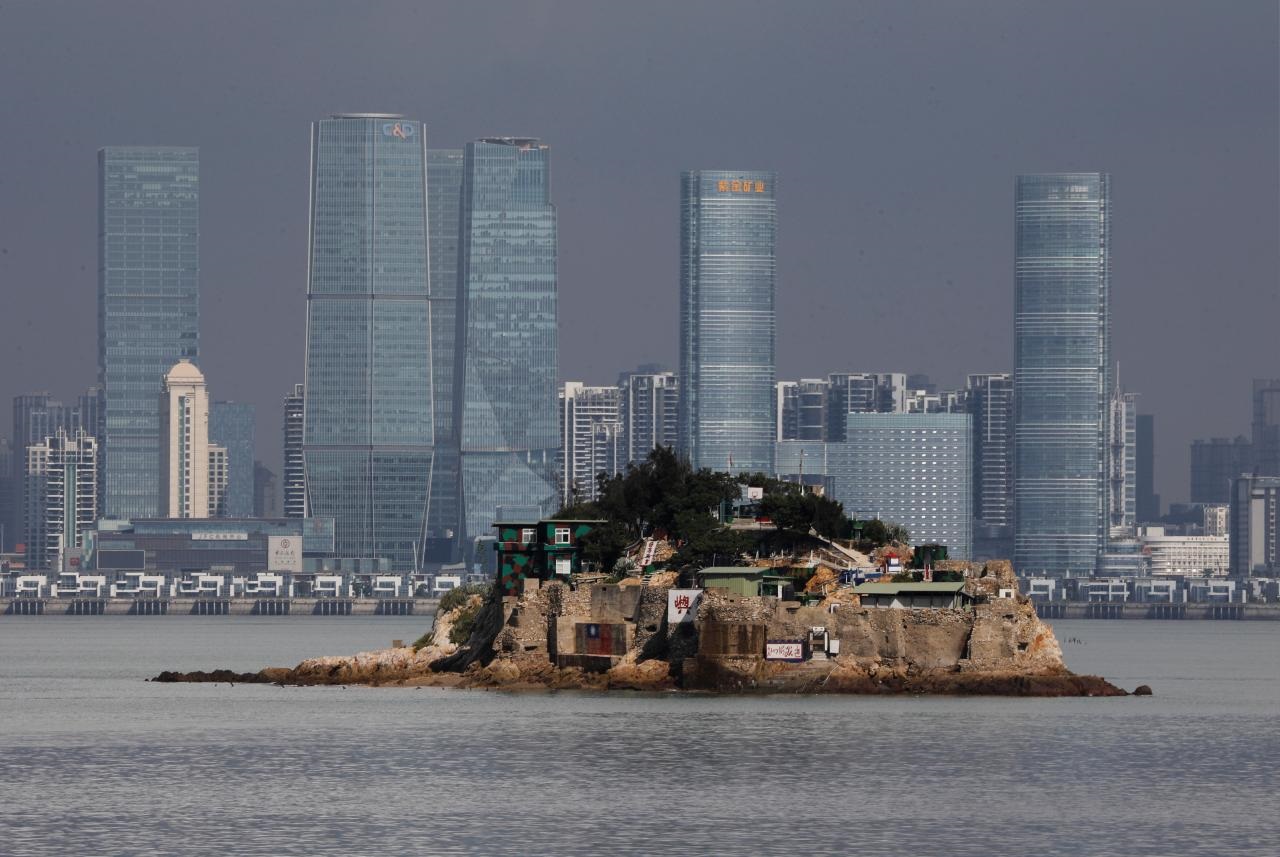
(682, 605)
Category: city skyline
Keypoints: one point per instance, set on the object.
(845, 310)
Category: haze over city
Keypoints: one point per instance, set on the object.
(896, 133)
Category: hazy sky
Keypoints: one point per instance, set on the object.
(897, 129)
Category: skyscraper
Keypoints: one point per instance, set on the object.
(728, 278)
(148, 308)
(368, 425)
(61, 495)
(505, 373)
(184, 445)
(1122, 465)
(444, 197)
(650, 411)
(1214, 463)
(1148, 508)
(231, 426)
(591, 439)
(1266, 426)
(989, 401)
(295, 474)
(801, 409)
(1062, 274)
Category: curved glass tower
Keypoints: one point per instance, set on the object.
(728, 232)
(367, 422)
(505, 411)
(1062, 279)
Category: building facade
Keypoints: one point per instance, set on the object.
(728, 284)
(801, 409)
(863, 393)
(368, 426)
(1148, 501)
(148, 308)
(1266, 426)
(1062, 275)
(294, 494)
(1122, 483)
(989, 401)
(507, 346)
(61, 496)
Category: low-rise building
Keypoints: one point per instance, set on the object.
(913, 596)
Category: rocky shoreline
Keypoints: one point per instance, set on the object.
(542, 640)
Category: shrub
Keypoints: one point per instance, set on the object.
(456, 597)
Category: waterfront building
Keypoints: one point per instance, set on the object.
(1147, 501)
(801, 409)
(219, 481)
(505, 369)
(1199, 556)
(1255, 508)
(61, 494)
(148, 308)
(650, 405)
(444, 201)
(231, 426)
(1062, 276)
(1214, 463)
(591, 440)
(1266, 426)
(728, 283)
(295, 473)
(185, 459)
(368, 423)
(235, 545)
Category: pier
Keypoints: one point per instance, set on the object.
(1159, 611)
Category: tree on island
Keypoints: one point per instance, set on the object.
(665, 497)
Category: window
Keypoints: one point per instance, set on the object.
(526, 536)
(562, 535)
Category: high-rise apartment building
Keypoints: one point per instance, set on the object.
(728, 284)
(444, 200)
(863, 393)
(184, 445)
(591, 438)
(505, 370)
(231, 426)
(1062, 274)
(148, 308)
(650, 411)
(1214, 463)
(368, 422)
(264, 491)
(295, 473)
(801, 409)
(61, 495)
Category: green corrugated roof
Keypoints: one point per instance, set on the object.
(896, 588)
(732, 571)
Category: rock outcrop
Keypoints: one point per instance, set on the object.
(619, 636)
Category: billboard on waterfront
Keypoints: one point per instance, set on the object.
(284, 553)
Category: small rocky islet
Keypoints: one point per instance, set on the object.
(567, 635)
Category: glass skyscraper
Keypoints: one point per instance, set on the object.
(1062, 279)
(444, 196)
(505, 375)
(728, 231)
(148, 308)
(231, 425)
(368, 422)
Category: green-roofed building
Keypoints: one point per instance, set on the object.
(914, 595)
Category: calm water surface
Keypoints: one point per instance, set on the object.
(94, 760)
